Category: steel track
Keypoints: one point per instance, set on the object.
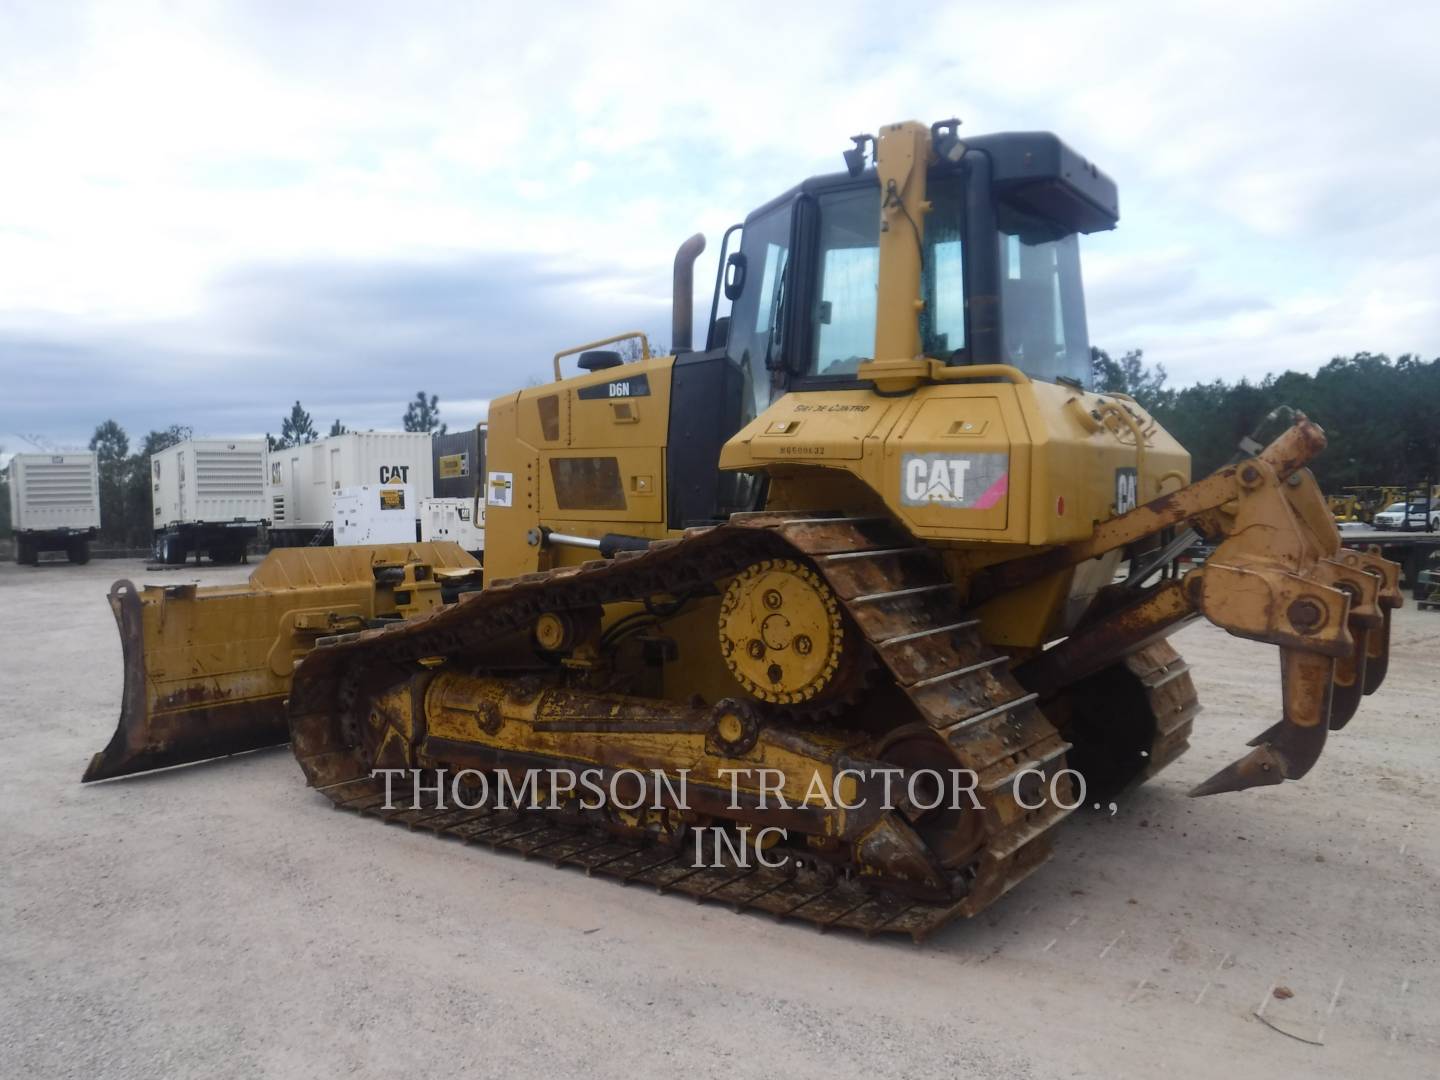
(896, 592)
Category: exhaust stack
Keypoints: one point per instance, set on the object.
(682, 316)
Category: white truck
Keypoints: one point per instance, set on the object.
(1417, 515)
(54, 505)
(304, 479)
(208, 497)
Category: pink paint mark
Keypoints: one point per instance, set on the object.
(994, 493)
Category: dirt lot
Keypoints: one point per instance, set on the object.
(221, 921)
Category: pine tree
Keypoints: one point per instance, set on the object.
(112, 454)
(295, 430)
(423, 414)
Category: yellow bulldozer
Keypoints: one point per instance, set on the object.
(860, 598)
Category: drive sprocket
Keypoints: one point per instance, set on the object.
(782, 633)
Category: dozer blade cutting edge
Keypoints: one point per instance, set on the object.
(207, 669)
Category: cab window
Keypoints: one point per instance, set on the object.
(1042, 299)
(847, 273)
(942, 321)
(847, 270)
(756, 320)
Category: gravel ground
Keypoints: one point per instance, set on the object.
(220, 921)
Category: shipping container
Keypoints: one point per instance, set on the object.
(457, 520)
(374, 514)
(208, 497)
(54, 504)
(458, 463)
(304, 479)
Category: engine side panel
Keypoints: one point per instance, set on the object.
(1029, 463)
(584, 456)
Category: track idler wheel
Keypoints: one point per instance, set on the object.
(735, 726)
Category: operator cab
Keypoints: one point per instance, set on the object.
(795, 300)
(1000, 269)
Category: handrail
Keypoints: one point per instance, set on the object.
(644, 347)
(1124, 416)
(960, 372)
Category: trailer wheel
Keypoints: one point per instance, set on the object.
(227, 554)
(78, 552)
(172, 550)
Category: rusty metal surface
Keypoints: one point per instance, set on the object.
(969, 713)
(1289, 749)
(1170, 694)
(1126, 720)
(1278, 575)
(805, 895)
(207, 669)
(1283, 457)
(187, 726)
(1281, 576)
(1108, 639)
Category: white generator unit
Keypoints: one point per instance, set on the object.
(208, 496)
(454, 519)
(374, 514)
(304, 479)
(54, 504)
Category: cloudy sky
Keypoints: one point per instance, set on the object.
(208, 210)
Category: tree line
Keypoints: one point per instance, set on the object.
(126, 516)
(1381, 416)
(298, 429)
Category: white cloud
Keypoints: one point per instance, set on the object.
(1276, 166)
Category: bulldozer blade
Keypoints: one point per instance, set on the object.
(200, 726)
(207, 670)
(1289, 749)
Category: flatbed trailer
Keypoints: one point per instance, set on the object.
(1410, 549)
